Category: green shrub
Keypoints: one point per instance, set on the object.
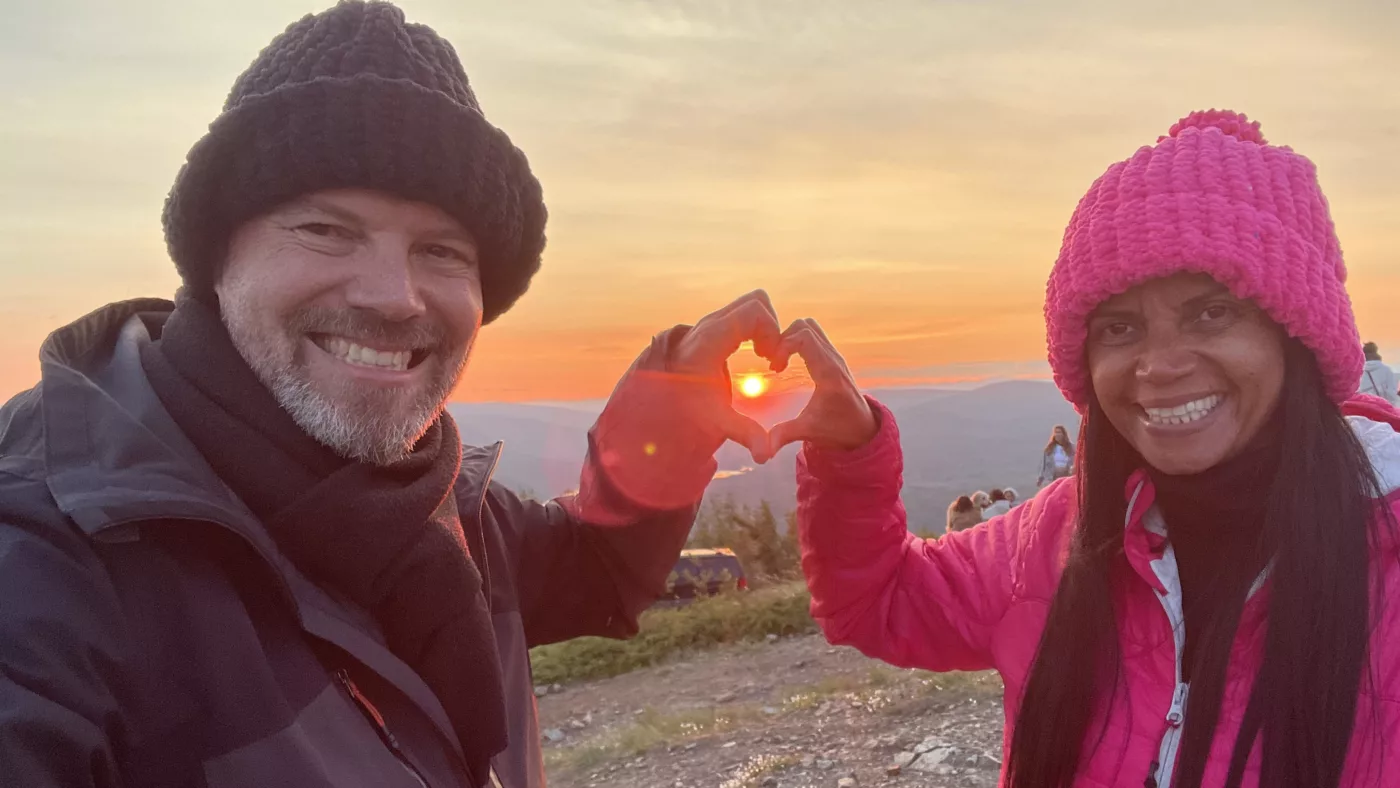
(727, 618)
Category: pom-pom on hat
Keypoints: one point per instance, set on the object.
(1212, 197)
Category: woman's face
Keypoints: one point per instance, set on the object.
(1060, 434)
(1186, 372)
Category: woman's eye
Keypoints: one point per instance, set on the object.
(1115, 333)
(1217, 313)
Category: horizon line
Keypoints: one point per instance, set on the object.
(961, 384)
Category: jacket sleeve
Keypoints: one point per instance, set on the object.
(575, 578)
(590, 563)
(932, 604)
(60, 633)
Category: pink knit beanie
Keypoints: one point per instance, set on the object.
(1211, 197)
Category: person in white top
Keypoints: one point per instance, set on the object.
(1000, 505)
(1058, 458)
(1378, 379)
(1011, 496)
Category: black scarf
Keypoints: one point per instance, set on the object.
(389, 538)
(1216, 523)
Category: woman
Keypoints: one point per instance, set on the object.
(963, 514)
(1200, 605)
(1012, 497)
(1058, 460)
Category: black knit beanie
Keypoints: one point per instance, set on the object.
(354, 97)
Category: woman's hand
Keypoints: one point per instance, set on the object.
(838, 415)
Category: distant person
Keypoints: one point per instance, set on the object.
(1378, 379)
(999, 505)
(1211, 599)
(963, 514)
(1011, 496)
(1057, 461)
(241, 543)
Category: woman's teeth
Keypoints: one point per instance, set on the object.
(351, 353)
(1183, 414)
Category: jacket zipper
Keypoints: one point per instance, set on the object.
(343, 678)
(380, 727)
(1163, 768)
(485, 566)
(1161, 771)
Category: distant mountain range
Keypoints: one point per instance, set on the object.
(955, 442)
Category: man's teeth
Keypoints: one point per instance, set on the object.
(351, 353)
(1183, 414)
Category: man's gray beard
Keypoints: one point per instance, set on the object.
(365, 429)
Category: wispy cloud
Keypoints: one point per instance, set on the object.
(900, 170)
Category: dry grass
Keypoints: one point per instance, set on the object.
(728, 618)
(751, 774)
(649, 730)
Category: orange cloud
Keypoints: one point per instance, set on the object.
(903, 175)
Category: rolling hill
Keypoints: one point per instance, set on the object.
(955, 441)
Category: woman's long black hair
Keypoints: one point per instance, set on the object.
(1321, 606)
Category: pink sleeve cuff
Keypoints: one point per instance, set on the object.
(868, 460)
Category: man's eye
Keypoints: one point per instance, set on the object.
(445, 252)
(322, 230)
(438, 250)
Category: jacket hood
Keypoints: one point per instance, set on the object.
(95, 429)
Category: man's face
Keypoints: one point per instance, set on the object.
(358, 311)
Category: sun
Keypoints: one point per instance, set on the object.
(752, 386)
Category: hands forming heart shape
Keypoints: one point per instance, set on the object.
(837, 416)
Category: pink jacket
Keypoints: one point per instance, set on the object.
(978, 599)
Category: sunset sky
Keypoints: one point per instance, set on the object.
(901, 170)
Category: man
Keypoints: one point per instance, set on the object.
(1378, 379)
(240, 541)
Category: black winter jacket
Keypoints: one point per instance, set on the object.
(152, 635)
